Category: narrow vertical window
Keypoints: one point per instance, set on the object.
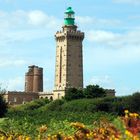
(60, 70)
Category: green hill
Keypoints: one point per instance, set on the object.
(27, 118)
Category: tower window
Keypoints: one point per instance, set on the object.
(15, 99)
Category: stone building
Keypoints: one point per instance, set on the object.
(110, 92)
(18, 97)
(34, 79)
(33, 88)
(69, 56)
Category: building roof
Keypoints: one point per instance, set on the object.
(69, 10)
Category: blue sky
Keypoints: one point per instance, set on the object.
(111, 45)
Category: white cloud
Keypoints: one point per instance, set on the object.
(127, 1)
(101, 36)
(109, 49)
(37, 17)
(84, 20)
(8, 37)
(26, 19)
(87, 20)
(26, 25)
(123, 91)
(108, 38)
(15, 84)
(104, 81)
(8, 63)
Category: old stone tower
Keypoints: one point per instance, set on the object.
(34, 79)
(69, 57)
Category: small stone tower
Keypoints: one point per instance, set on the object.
(34, 79)
(69, 57)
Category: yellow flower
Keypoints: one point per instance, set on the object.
(129, 134)
(136, 138)
(28, 138)
(126, 111)
(136, 115)
(10, 138)
(88, 135)
(2, 138)
(131, 114)
(78, 125)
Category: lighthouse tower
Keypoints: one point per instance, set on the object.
(69, 56)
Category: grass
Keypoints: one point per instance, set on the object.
(57, 115)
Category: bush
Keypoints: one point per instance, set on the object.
(94, 91)
(73, 93)
(55, 105)
(35, 104)
(3, 106)
(134, 102)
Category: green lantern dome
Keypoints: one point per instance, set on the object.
(69, 16)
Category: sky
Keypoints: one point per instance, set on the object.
(111, 48)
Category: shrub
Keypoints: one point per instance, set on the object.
(3, 106)
(94, 91)
(134, 102)
(55, 105)
(73, 93)
(35, 104)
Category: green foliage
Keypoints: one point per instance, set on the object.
(91, 91)
(58, 114)
(94, 91)
(134, 102)
(22, 126)
(2, 90)
(73, 93)
(30, 105)
(35, 104)
(56, 127)
(81, 105)
(27, 123)
(55, 105)
(130, 102)
(3, 104)
(90, 105)
(119, 124)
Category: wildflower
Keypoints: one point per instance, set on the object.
(2, 138)
(10, 138)
(131, 114)
(78, 125)
(88, 135)
(136, 115)
(43, 128)
(128, 133)
(28, 138)
(126, 111)
(20, 138)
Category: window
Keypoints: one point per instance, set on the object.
(15, 99)
(23, 102)
(58, 95)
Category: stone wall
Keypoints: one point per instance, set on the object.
(16, 98)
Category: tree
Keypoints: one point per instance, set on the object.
(73, 93)
(134, 102)
(3, 104)
(94, 91)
